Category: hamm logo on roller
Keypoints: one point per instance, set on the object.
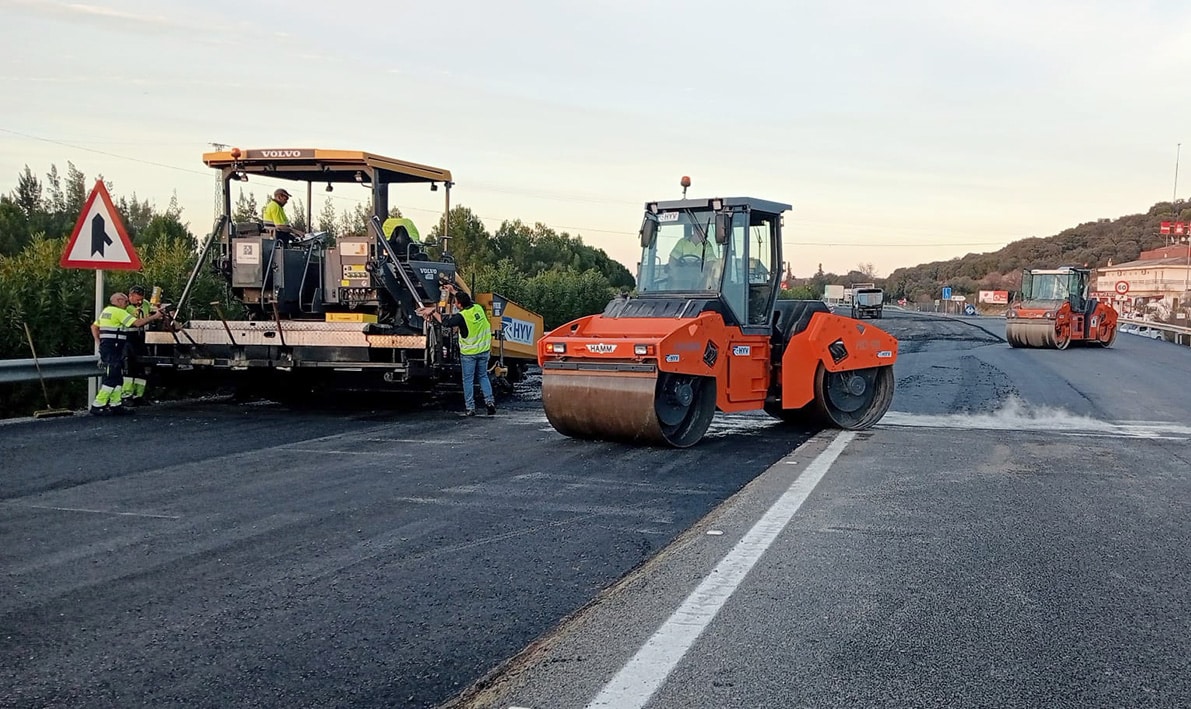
(601, 348)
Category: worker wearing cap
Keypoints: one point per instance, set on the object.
(475, 347)
(274, 211)
(110, 331)
(135, 381)
(274, 215)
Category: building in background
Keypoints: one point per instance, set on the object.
(1161, 275)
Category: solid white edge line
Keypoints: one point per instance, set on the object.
(640, 678)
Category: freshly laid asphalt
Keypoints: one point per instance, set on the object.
(1013, 533)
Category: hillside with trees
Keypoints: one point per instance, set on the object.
(1092, 244)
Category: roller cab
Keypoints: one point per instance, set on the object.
(705, 331)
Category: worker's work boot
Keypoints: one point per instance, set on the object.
(99, 410)
(469, 412)
(491, 409)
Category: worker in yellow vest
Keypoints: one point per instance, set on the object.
(694, 263)
(274, 210)
(475, 347)
(110, 331)
(135, 377)
(274, 215)
(402, 235)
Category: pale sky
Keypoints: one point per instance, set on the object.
(901, 132)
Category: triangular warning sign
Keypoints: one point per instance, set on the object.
(99, 240)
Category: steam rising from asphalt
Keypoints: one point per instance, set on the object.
(1016, 415)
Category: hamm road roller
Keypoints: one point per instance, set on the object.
(706, 331)
(1055, 311)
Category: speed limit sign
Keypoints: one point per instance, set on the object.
(1122, 287)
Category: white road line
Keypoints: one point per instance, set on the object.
(94, 512)
(637, 681)
(1021, 419)
(336, 451)
(409, 440)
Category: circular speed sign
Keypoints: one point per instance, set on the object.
(1122, 287)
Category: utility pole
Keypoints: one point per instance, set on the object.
(1174, 198)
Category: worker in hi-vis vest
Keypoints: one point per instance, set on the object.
(475, 346)
(135, 375)
(274, 211)
(274, 215)
(110, 331)
(402, 235)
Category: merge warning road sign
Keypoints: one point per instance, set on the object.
(99, 240)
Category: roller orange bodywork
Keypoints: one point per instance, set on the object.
(655, 368)
(867, 347)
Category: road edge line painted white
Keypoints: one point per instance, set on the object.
(646, 671)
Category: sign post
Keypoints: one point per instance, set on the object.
(98, 223)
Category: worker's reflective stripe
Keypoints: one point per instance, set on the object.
(114, 323)
(479, 334)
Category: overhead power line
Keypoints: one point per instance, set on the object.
(482, 187)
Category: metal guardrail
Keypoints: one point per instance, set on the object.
(1182, 335)
(1156, 325)
(25, 370)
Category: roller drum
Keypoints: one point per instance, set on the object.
(606, 405)
(1032, 333)
(635, 407)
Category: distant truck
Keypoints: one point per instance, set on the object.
(835, 294)
(867, 300)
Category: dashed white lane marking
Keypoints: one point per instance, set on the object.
(637, 681)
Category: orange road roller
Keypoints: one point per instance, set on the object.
(1055, 311)
(706, 331)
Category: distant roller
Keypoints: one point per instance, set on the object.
(1056, 310)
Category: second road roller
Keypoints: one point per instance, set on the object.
(1056, 310)
(706, 331)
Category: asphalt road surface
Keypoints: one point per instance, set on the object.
(1014, 533)
(223, 555)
